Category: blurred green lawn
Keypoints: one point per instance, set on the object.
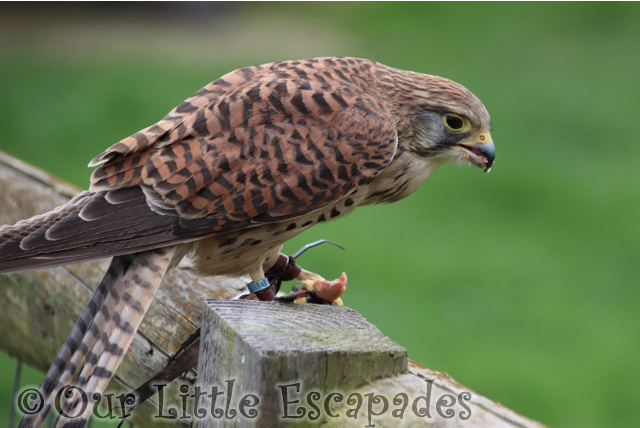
(522, 284)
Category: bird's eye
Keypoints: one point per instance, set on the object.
(454, 122)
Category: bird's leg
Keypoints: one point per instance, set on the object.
(260, 285)
(315, 289)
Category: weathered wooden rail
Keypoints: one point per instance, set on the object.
(266, 349)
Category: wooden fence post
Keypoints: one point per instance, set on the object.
(264, 346)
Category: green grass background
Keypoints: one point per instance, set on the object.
(522, 284)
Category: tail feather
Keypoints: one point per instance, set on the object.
(134, 293)
(71, 355)
(96, 346)
(94, 342)
(98, 342)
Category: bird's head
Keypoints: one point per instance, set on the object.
(453, 135)
(443, 121)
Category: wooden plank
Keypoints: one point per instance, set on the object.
(439, 401)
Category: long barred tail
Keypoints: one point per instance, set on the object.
(92, 352)
(86, 331)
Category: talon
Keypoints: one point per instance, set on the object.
(330, 291)
(325, 290)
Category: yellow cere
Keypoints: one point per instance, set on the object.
(484, 138)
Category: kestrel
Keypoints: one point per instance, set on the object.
(229, 175)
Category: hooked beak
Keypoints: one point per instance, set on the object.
(481, 152)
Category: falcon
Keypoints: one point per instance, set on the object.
(228, 176)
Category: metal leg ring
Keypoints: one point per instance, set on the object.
(257, 286)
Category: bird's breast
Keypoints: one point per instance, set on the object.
(241, 252)
(401, 178)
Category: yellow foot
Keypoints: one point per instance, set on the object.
(327, 291)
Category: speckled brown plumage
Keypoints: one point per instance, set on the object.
(252, 159)
(259, 144)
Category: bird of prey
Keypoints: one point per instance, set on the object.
(229, 175)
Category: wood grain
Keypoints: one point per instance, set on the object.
(266, 345)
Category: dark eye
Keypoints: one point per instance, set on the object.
(454, 122)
